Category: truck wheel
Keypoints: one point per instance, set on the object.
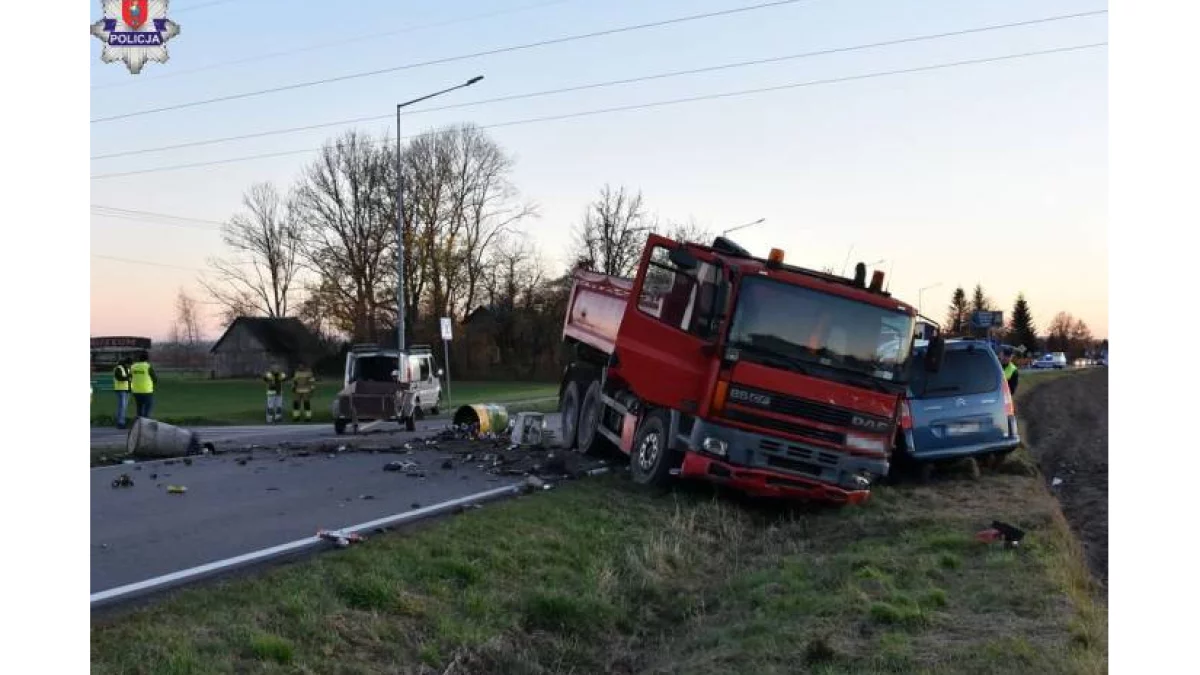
(339, 426)
(568, 405)
(410, 423)
(650, 460)
(591, 442)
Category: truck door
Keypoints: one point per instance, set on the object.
(664, 329)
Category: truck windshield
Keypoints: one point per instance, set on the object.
(803, 325)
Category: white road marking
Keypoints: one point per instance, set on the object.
(192, 573)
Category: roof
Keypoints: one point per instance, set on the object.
(279, 336)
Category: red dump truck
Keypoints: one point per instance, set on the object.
(710, 363)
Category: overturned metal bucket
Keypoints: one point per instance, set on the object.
(490, 417)
(151, 438)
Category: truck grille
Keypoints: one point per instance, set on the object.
(786, 426)
(803, 408)
(808, 455)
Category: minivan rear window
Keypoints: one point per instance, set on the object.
(963, 372)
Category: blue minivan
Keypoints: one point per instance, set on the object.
(963, 410)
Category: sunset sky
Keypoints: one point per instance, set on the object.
(993, 173)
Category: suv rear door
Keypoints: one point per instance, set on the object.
(961, 404)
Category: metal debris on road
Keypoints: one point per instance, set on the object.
(340, 539)
(403, 465)
(122, 481)
(176, 489)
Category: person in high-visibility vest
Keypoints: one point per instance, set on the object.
(302, 390)
(274, 378)
(121, 388)
(1011, 373)
(142, 380)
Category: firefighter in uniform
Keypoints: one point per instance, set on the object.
(1011, 373)
(141, 383)
(120, 377)
(302, 390)
(274, 378)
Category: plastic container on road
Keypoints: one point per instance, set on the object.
(489, 417)
(151, 438)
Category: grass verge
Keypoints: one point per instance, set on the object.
(196, 402)
(607, 577)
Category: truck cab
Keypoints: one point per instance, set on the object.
(375, 387)
(776, 380)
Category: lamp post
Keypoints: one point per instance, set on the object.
(739, 227)
(921, 293)
(400, 212)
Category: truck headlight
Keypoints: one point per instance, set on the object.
(869, 443)
(715, 446)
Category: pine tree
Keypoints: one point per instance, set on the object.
(1024, 333)
(979, 301)
(960, 313)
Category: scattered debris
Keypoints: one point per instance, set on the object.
(447, 465)
(129, 461)
(1056, 482)
(340, 539)
(272, 489)
(366, 497)
(404, 465)
(187, 461)
(1010, 535)
(176, 489)
(153, 476)
(122, 481)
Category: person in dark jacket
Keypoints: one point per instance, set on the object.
(1011, 373)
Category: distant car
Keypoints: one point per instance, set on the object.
(963, 410)
(1056, 360)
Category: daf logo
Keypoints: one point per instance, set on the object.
(960, 402)
(750, 397)
(869, 423)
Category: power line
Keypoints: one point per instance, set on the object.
(448, 59)
(654, 104)
(595, 85)
(131, 261)
(324, 45)
(115, 212)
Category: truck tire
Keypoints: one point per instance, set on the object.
(568, 405)
(590, 441)
(410, 423)
(339, 426)
(650, 460)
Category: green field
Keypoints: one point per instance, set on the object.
(194, 401)
(603, 576)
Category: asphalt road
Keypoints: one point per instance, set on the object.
(231, 509)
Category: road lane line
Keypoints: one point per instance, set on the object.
(193, 573)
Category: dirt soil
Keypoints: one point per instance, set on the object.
(1066, 427)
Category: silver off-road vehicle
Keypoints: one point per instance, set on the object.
(375, 387)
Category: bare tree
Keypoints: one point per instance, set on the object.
(613, 231)
(690, 231)
(344, 206)
(458, 202)
(266, 256)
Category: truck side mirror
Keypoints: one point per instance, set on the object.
(683, 259)
(935, 353)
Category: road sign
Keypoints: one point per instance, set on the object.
(987, 319)
(446, 333)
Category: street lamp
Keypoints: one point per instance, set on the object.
(735, 229)
(400, 213)
(921, 292)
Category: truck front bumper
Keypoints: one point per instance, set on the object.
(760, 483)
(772, 466)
